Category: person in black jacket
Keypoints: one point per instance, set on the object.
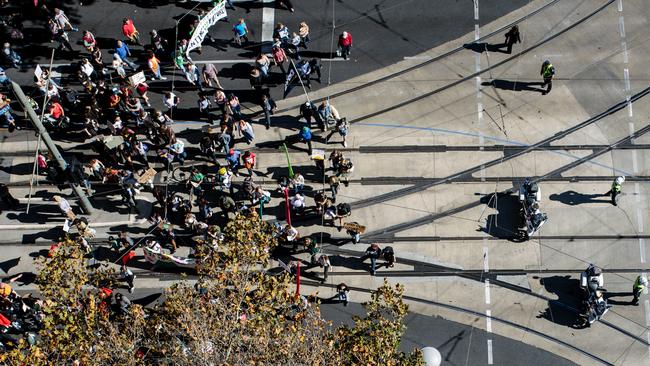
(8, 200)
(512, 37)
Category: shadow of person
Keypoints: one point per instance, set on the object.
(506, 222)
(574, 198)
(480, 47)
(566, 309)
(609, 295)
(515, 85)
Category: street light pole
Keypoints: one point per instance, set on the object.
(42, 132)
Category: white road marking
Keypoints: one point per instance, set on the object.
(646, 305)
(624, 48)
(621, 26)
(629, 107)
(630, 127)
(487, 291)
(635, 163)
(477, 32)
(488, 319)
(642, 250)
(489, 350)
(418, 57)
(486, 264)
(626, 76)
(268, 20)
(620, 6)
(475, 9)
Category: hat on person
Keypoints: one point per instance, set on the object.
(222, 171)
(57, 198)
(231, 152)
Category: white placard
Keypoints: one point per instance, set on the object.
(137, 78)
(38, 71)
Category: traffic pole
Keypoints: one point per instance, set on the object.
(38, 126)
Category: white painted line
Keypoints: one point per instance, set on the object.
(620, 6)
(486, 263)
(488, 319)
(621, 26)
(648, 344)
(645, 290)
(626, 76)
(630, 112)
(630, 127)
(635, 163)
(477, 32)
(639, 219)
(624, 48)
(642, 250)
(482, 170)
(479, 109)
(646, 305)
(268, 21)
(475, 9)
(478, 86)
(637, 191)
(489, 351)
(477, 62)
(417, 57)
(487, 291)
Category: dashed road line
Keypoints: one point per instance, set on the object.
(488, 321)
(489, 352)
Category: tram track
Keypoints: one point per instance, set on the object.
(464, 174)
(428, 61)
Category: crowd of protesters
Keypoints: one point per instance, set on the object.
(136, 143)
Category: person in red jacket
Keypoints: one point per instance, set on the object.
(129, 31)
(345, 43)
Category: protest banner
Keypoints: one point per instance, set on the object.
(214, 15)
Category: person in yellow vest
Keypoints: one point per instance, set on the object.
(638, 287)
(617, 186)
(547, 72)
(154, 66)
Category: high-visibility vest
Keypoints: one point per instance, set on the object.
(616, 187)
(154, 64)
(638, 285)
(549, 71)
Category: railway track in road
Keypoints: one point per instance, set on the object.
(432, 60)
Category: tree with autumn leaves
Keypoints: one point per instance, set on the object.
(234, 314)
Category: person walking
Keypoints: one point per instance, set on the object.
(334, 183)
(154, 66)
(246, 131)
(89, 41)
(305, 136)
(170, 100)
(249, 162)
(547, 72)
(269, 107)
(389, 256)
(62, 20)
(512, 37)
(298, 183)
(122, 50)
(127, 276)
(193, 75)
(373, 252)
(617, 186)
(303, 32)
(130, 32)
(241, 32)
(637, 289)
(345, 44)
(7, 199)
(210, 74)
(343, 293)
(324, 262)
(204, 107)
